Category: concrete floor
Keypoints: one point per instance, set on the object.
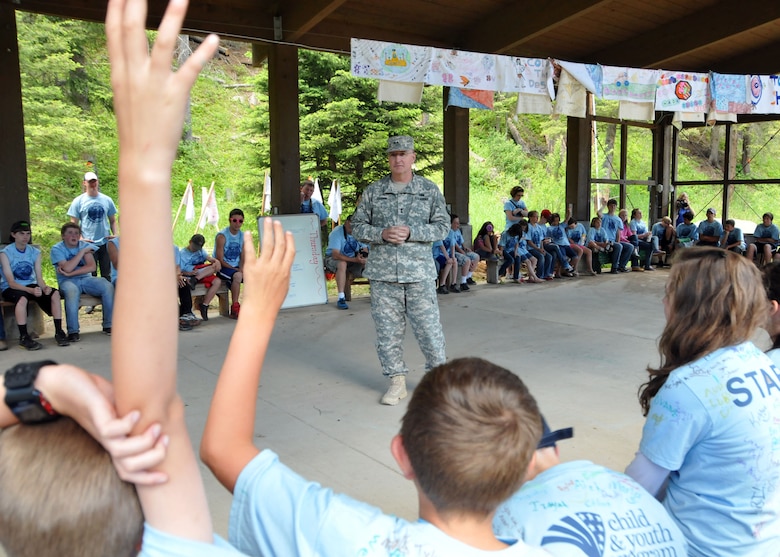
(581, 345)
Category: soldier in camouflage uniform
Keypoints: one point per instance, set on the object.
(400, 216)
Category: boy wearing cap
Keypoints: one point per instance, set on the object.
(95, 212)
(21, 282)
(710, 230)
(582, 509)
(400, 216)
(195, 265)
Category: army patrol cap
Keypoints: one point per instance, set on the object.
(400, 143)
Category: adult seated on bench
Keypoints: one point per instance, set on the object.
(767, 237)
(21, 282)
(345, 254)
(74, 262)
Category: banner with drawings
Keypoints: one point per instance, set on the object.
(673, 91)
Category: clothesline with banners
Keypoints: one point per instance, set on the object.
(474, 77)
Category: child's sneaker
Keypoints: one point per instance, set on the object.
(342, 304)
(28, 343)
(234, 309)
(61, 338)
(204, 312)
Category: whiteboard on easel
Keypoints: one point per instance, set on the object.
(307, 277)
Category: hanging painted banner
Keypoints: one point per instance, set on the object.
(572, 96)
(470, 98)
(628, 84)
(466, 70)
(525, 75)
(589, 75)
(764, 93)
(389, 61)
(683, 92)
(729, 93)
(400, 92)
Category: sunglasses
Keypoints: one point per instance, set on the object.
(237, 220)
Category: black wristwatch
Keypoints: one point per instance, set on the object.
(25, 401)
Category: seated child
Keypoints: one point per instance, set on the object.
(100, 515)
(577, 238)
(466, 440)
(687, 232)
(22, 282)
(445, 264)
(198, 266)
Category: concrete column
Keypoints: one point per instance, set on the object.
(456, 159)
(285, 131)
(14, 199)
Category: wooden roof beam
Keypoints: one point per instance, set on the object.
(659, 46)
(520, 22)
(762, 60)
(301, 17)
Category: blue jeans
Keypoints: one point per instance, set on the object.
(559, 253)
(510, 260)
(71, 291)
(544, 262)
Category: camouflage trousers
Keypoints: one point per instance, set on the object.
(391, 304)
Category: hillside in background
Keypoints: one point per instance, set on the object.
(69, 129)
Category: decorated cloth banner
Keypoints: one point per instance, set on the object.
(470, 98)
(572, 99)
(629, 110)
(683, 92)
(390, 61)
(533, 104)
(400, 92)
(525, 75)
(590, 75)
(764, 93)
(629, 84)
(466, 70)
(729, 93)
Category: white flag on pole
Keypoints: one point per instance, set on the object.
(189, 202)
(211, 211)
(334, 201)
(317, 193)
(267, 193)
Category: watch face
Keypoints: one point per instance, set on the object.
(31, 413)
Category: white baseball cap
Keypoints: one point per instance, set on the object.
(90, 176)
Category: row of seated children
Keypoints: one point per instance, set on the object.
(452, 257)
(766, 236)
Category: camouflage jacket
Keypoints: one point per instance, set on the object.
(421, 207)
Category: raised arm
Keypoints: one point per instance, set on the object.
(149, 102)
(227, 445)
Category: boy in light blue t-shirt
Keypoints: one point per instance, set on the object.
(468, 424)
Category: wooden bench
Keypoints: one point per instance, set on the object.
(350, 281)
(223, 295)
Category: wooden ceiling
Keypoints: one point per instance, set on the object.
(728, 36)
